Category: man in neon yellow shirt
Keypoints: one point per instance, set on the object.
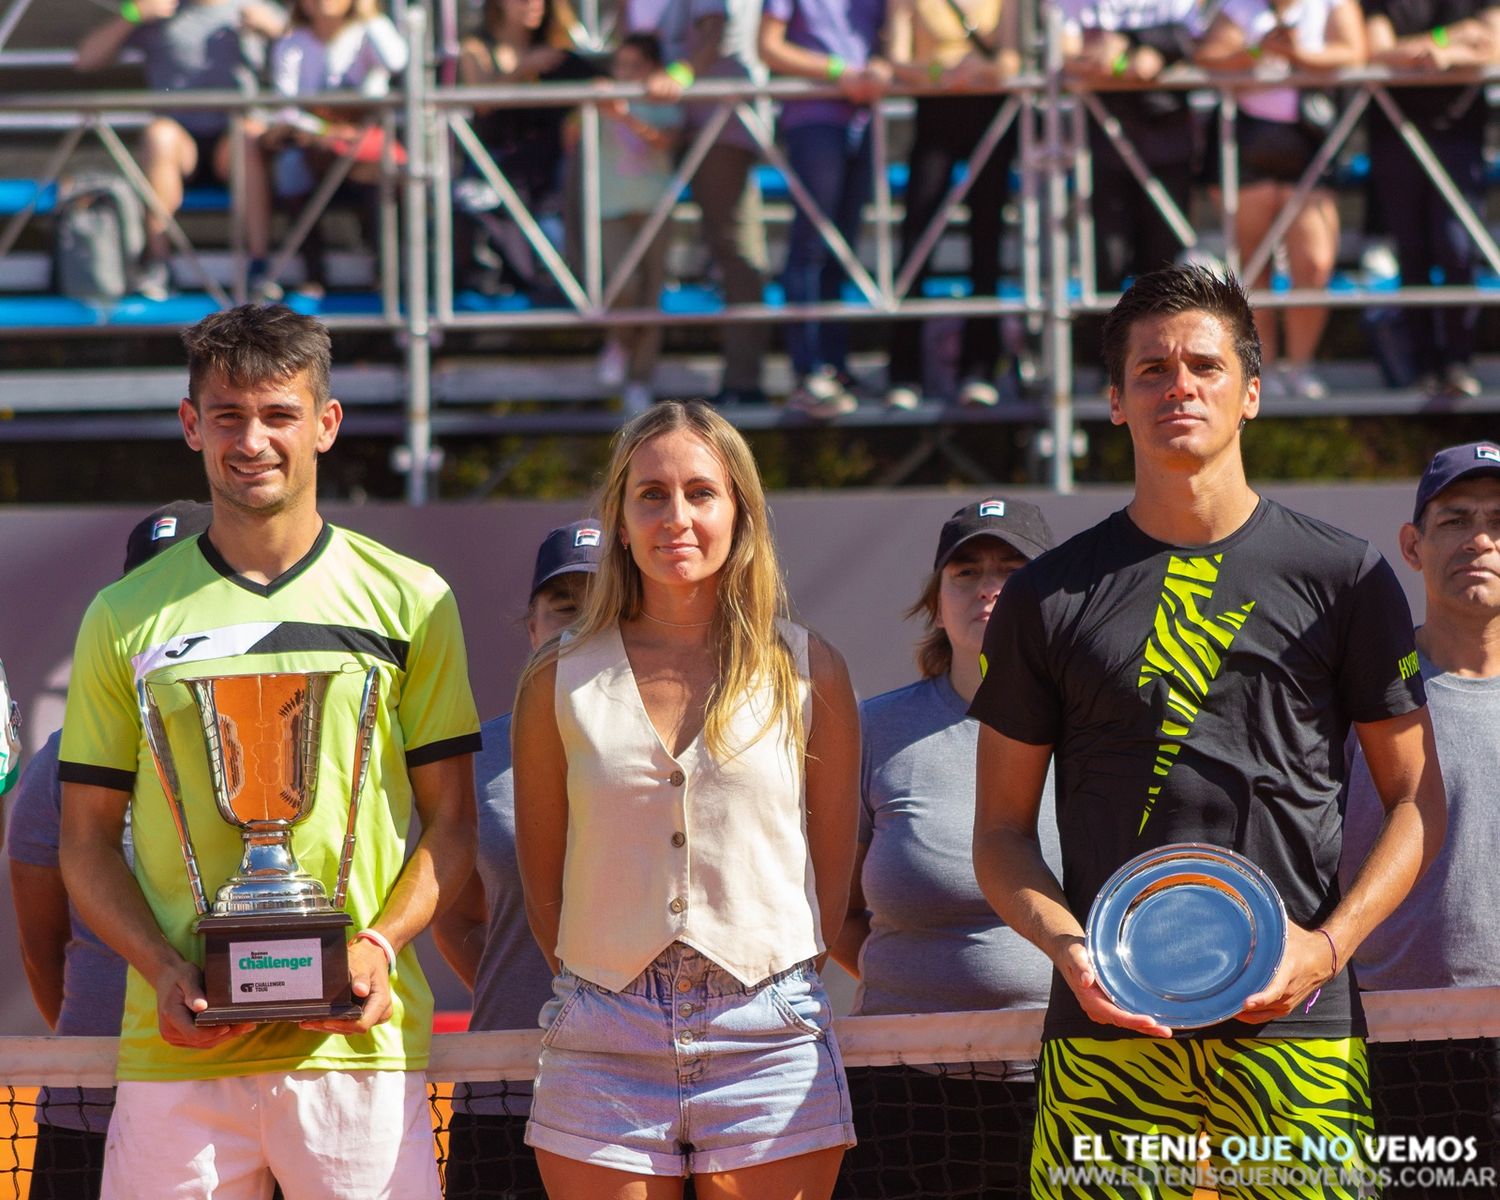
(332, 1108)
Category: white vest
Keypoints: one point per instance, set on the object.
(686, 849)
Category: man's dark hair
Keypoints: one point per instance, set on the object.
(1179, 289)
(647, 45)
(256, 344)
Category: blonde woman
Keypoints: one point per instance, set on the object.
(686, 765)
(331, 45)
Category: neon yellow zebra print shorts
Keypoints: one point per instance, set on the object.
(1268, 1118)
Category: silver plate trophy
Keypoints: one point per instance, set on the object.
(1186, 933)
(274, 942)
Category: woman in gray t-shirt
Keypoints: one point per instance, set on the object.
(920, 936)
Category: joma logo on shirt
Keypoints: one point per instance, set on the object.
(1185, 649)
(1409, 665)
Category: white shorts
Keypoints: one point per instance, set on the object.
(322, 1135)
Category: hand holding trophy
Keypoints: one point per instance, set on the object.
(274, 943)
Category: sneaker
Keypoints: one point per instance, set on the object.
(259, 284)
(1302, 384)
(637, 397)
(1428, 384)
(613, 364)
(1459, 381)
(154, 281)
(1273, 384)
(821, 395)
(903, 397)
(978, 393)
(737, 396)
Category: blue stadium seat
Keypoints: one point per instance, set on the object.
(16, 194)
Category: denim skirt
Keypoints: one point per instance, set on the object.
(687, 1070)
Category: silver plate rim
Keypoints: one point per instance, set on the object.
(1268, 942)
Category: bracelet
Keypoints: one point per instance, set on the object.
(1253, 52)
(376, 938)
(836, 68)
(130, 11)
(935, 72)
(1121, 64)
(1332, 949)
(681, 73)
(1440, 36)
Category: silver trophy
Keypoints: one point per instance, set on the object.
(274, 945)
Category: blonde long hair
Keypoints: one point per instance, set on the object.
(751, 596)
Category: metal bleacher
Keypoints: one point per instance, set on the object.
(460, 363)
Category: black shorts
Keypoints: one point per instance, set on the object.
(1276, 151)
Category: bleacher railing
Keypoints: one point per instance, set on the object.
(1050, 113)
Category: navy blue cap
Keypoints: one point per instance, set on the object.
(1017, 522)
(164, 528)
(574, 547)
(1449, 466)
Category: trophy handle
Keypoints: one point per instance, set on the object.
(166, 772)
(368, 702)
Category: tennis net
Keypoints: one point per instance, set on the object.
(943, 1101)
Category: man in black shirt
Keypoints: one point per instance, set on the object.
(1195, 662)
(1434, 35)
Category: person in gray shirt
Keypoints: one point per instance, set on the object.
(920, 937)
(1444, 933)
(192, 45)
(484, 935)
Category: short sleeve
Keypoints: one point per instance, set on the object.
(698, 9)
(779, 10)
(1378, 675)
(102, 726)
(389, 46)
(1252, 17)
(1018, 695)
(436, 710)
(866, 832)
(36, 811)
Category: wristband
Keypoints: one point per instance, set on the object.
(1253, 52)
(935, 72)
(1121, 64)
(1440, 36)
(836, 68)
(130, 11)
(680, 73)
(376, 938)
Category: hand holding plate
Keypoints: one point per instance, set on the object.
(1098, 1007)
(1304, 968)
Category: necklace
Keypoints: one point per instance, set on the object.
(677, 624)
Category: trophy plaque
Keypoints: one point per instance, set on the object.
(274, 943)
(1186, 933)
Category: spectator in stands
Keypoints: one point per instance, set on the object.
(685, 782)
(332, 45)
(828, 146)
(959, 47)
(1276, 142)
(920, 936)
(1434, 35)
(484, 935)
(519, 41)
(77, 981)
(1443, 934)
(1135, 40)
(1195, 661)
(190, 45)
(715, 39)
(636, 141)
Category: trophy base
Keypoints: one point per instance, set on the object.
(276, 967)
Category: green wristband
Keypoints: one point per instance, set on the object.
(130, 11)
(1121, 64)
(836, 68)
(935, 72)
(1440, 36)
(1253, 52)
(681, 73)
